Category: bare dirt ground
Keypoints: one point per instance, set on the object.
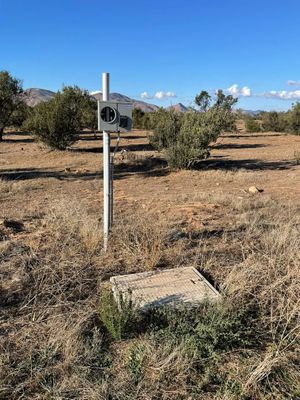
(38, 177)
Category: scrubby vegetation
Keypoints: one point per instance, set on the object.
(58, 121)
(252, 124)
(11, 101)
(186, 137)
(273, 121)
(62, 335)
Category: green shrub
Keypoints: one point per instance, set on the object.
(274, 122)
(117, 317)
(186, 137)
(135, 362)
(294, 119)
(165, 125)
(138, 117)
(252, 125)
(58, 122)
(11, 100)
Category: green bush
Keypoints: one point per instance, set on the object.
(294, 119)
(58, 122)
(165, 126)
(117, 317)
(274, 122)
(11, 100)
(252, 125)
(186, 137)
(138, 118)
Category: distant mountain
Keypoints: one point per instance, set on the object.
(178, 107)
(142, 105)
(35, 96)
(252, 113)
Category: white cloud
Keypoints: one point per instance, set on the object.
(160, 95)
(236, 91)
(146, 95)
(283, 94)
(164, 95)
(293, 83)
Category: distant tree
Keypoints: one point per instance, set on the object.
(10, 98)
(203, 100)
(20, 115)
(252, 125)
(274, 122)
(294, 119)
(270, 121)
(138, 118)
(58, 122)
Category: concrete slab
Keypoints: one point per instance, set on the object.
(170, 286)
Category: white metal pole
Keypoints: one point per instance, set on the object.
(98, 114)
(106, 167)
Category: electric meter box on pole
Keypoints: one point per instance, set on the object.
(114, 116)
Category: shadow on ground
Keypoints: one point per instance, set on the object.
(227, 146)
(17, 137)
(146, 167)
(245, 164)
(99, 149)
(250, 135)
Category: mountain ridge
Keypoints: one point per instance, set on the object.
(34, 96)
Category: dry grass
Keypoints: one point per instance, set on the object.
(53, 342)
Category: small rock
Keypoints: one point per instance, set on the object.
(254, 190)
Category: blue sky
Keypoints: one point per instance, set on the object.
(160, 49)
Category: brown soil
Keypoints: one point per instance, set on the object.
(38, 177)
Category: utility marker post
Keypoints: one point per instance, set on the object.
(106, 168)
(112, 117)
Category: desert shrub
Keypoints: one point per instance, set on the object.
(252, 125)
(117, 316)
(294, 119)
(11, 100)
(58, 122)
(165, 126)
(20, 115)
(181, 349)
(138, 118)
(186, 137)
(191, 145)
(274, 122)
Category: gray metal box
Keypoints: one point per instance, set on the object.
(114, 116)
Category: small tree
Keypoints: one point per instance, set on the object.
(20, 115)
(294, 119)
(165, 125)
(252, 125)
(271, 122)
(203, 100)
(186, 136)
(138, 118)
(10, 98)
(58, 122)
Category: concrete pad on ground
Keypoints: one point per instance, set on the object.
(163, 287)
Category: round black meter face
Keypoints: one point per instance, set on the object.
(108, 114)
